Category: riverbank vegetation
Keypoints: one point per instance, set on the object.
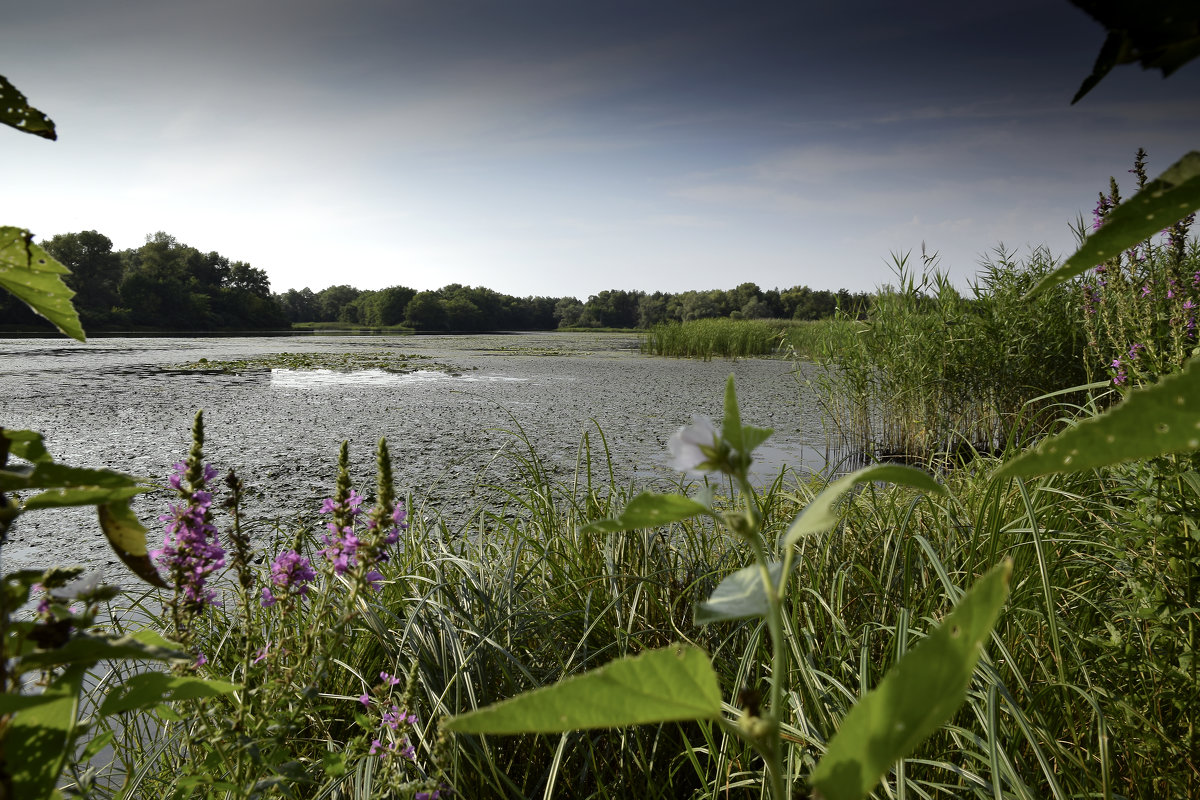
(337, 662)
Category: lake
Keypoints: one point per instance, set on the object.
(119, 403)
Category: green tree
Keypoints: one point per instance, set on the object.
(425, 312)
(95, 272)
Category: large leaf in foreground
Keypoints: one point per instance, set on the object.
(29, 272)
(1159, 419)
(820, 515)
(127, 536)
(147, 689)
(16, 112)
(915, 698)
(672, 684)
(649, 510)
(1164, 201)
(742, 594)
(37, 739)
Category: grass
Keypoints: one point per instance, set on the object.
(1077, 696)
(715, 338)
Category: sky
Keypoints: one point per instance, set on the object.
(565, 147)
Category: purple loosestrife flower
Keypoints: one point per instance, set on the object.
(290, 575)
(191, 551)
(1146, 290)
(1120, 377)
(1135, 350)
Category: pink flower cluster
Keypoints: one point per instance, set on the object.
(191, 551)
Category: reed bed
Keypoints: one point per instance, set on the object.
(716, 338)
(1067, 703)
(932, 371)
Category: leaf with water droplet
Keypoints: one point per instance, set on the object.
(1153, 421)
(29, 273)
(918, 694)
(1164, 201)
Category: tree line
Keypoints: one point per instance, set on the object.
(164, 284)
(465, 308)
(168, 285)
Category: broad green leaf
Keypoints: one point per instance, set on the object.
(81, 496)
(1159, 419)
(1163, 202)
(1161, 35)
(742, 438)
(672, 684)
(95, 745)
(10, 703)
(820, 515)
(148, 689)
(742, 594)
(37, 743)
(731, 423)
(26, 444)
(29, 273)
(48, 475)
(90, 648)
(918, 694)
(16, 112)
(127, 537)
(649, 510)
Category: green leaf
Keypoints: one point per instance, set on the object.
(16, 112)
(95, 745)
(820, 515)
(127, 537)
(48, 475)
(1162, 35)
(672, 684)
(915, 698)
(26, 444)
(649, 510)
(731, 424)
(148, 689)
(1159, 419)
(29, 273)
(742, 594)
(1164, 201)
(38, 739)
(88, 649)
(10, 703)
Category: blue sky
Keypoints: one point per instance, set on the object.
(563, 148)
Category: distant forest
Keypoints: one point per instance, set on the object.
(168, 285)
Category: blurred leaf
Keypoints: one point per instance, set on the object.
(95, 745)
(16, 112)
(1164, 201)
(10, 703)
(1153, 421)
(731, 423)
(672, 684)
(918, 694)
(649, 510)
(90, 648)
(48, 475)
(26, 444)
(742, 594)
(148, 689)
(37, 742)
(820, 515)
(127, 537)
(29, 273)
(742, 438)
(1159, 34)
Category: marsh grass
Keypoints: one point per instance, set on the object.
(1067, 702)
(932, 371)
(719, 337)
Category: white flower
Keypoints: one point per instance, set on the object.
(687, 445)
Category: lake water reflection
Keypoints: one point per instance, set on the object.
(116, 402)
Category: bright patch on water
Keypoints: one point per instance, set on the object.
(311, 378)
